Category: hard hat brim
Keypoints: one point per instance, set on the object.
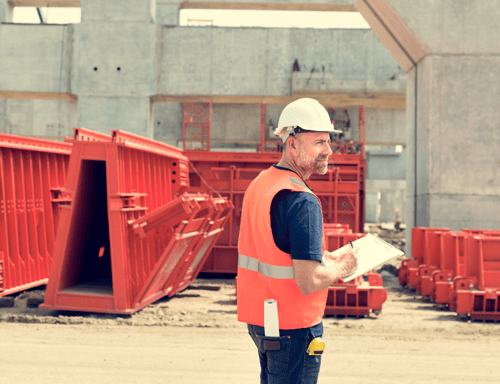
(281, 130)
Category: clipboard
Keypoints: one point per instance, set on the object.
(373, 252)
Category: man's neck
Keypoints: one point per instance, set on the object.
(286, 163)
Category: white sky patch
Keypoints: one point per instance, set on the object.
(272, 19)
(50, 15)
(216, 17)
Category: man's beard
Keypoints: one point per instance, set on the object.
(320, 167)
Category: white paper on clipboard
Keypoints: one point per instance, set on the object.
(373, 252)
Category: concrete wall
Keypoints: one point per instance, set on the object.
(258, 61)
(372, 206)
(52, 119)
(121, 11)
(167, 123)
(383, 197)
(385, 162)
(36, 58)
(114, 61)
(385, 125)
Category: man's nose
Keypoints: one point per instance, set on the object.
(328, 149)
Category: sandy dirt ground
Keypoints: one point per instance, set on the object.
(194, 337)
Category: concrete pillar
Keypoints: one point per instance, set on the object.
(6, 12)
(114, 70)
(453, 120)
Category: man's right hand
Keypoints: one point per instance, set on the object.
(349, 261)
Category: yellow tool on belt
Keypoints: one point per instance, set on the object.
(316, 347)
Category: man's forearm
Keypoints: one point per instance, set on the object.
(311, 276)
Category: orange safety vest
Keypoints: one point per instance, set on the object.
(264, 271)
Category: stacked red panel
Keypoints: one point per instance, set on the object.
(32, 183)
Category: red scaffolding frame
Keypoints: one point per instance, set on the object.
(196, 127)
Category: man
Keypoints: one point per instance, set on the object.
(281, 249)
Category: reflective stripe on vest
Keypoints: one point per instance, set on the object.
(299, 182)
(268, 270)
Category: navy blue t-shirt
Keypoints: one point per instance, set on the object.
(297, 228)
(296, 223)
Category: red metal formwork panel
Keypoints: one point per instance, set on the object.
(356, 299)
(482, 232)
(420, 254)
(451, 264)
(32, 181)
(417, 252)
(432, 263)
(485, 305)
(471, 231)
(476, 293)
(160, 281)
(482, 261)
(335, 238)
(84, 134)
(196, 258)
(127, 228)
(340, 191)
(228, 174)
(477, 305)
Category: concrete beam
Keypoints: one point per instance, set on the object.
(328, 6)
(336, 100)
(257, 63)
(393, 32)
(16, 95)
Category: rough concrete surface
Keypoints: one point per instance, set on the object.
(194, 337)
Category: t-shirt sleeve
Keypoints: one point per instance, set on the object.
(297, 225)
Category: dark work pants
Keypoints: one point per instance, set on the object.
(290, 364)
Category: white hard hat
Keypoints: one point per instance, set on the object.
(306, 114)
